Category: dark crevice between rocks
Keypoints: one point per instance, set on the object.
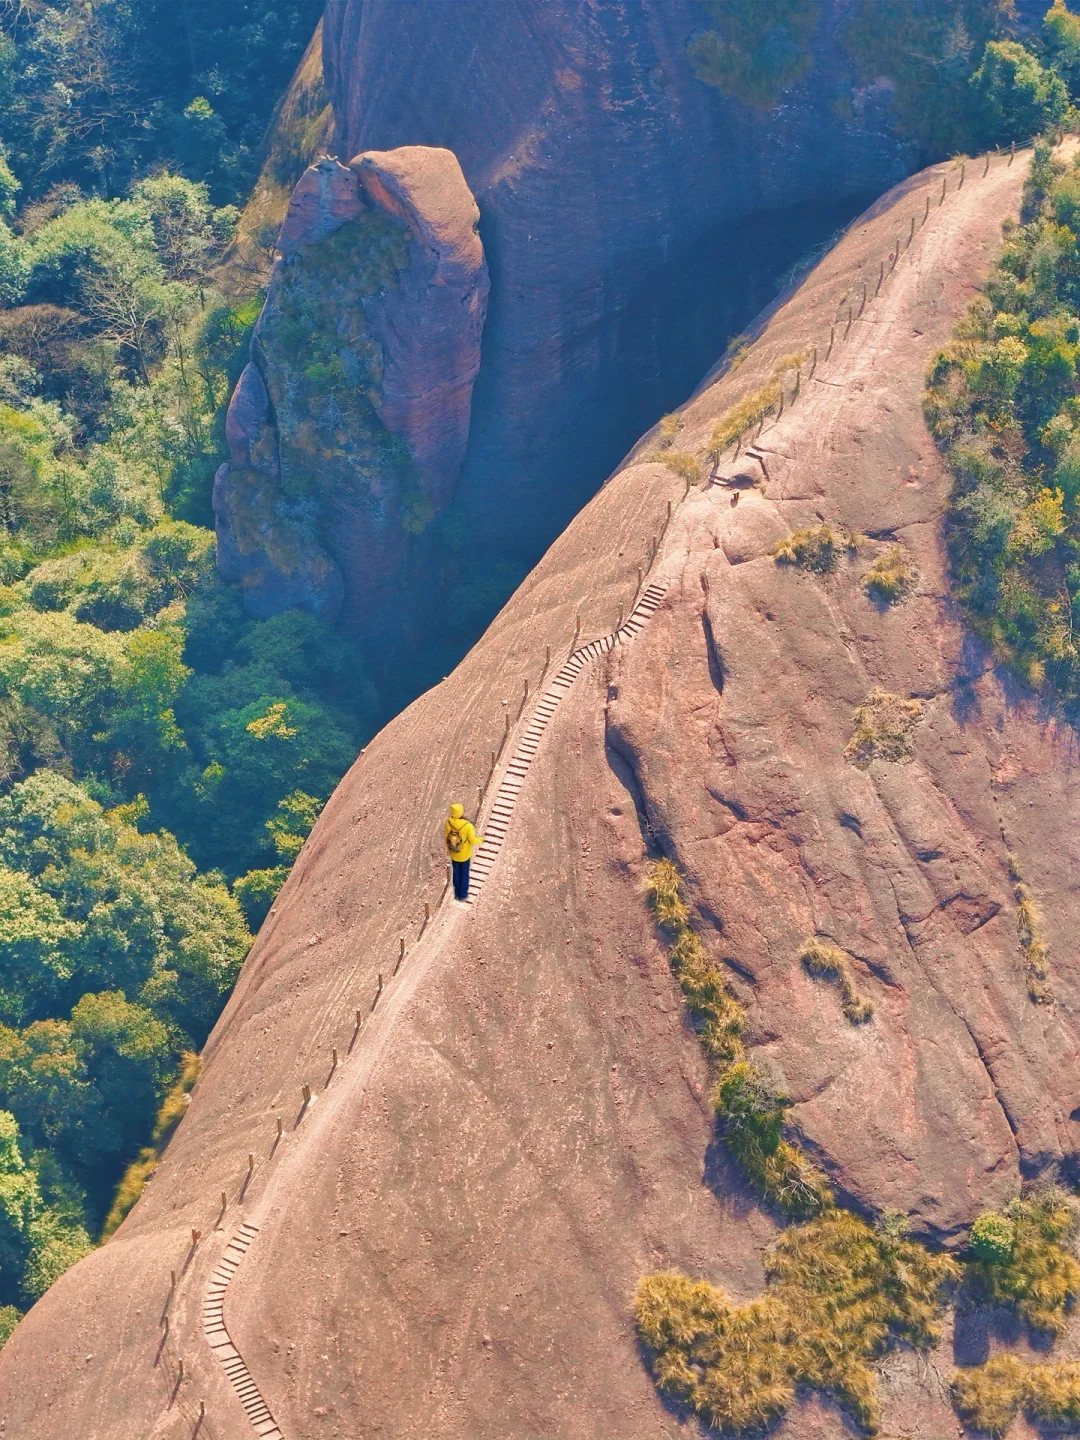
(622, 761)
(712, 650)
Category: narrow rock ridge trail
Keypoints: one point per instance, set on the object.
(494, 829)
(860, 331)
(506, 1116)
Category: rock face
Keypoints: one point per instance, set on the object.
(348, 427)
(634, 216)
(517, 1123)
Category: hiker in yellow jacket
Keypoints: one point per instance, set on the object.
(461, 840)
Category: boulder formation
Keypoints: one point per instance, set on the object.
(635, 217)
(506, 1119)
(348, 427)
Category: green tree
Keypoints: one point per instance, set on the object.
(1062, 33)
(1016, 97)
(37, 947)
(127, 1055)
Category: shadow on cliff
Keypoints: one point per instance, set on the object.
(653, 354)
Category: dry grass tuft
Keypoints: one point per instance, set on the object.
(839, 1293)
(668, 428)
(990, 1397)
(1040, 1278)
(884, 730)
(891, 576)
(817, 548)
(828, 962)
(750, 411)
(717, 1015)
(685, 465)
(1033, 944)
(749, 1110)
(663, 886)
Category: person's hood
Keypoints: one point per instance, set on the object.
(456, 812)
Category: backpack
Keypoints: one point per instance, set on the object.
(456, 839)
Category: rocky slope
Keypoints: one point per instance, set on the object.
(347, 429)
(450, 1228)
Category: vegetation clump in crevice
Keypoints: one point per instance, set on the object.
(747, 1104)
(829, 962)
(892, 576)
(1021, 1257)
(840, 1292)
(885, 728)
(755, 408)
(688, 467)
(1032, 939)
(816, 548)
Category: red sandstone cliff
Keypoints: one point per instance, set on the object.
(311, 507)
(448, 1233)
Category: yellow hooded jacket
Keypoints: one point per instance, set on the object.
(470, 839)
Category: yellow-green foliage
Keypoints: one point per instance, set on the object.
(139, 1171)
(664, 889)
(839, 1292)
(817, 548)
(1033, 944)
(752, 1114)
(669, 427)
(991, 1396)
(1041, 1278)
(750, 1111)
(9, 1318)
(831, 963)
(884, 729)
(754, 51)
(745, 415)
(1001, 401)
(685, 465)
(891, 576)
(717, 1014)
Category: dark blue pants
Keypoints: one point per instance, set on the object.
(461, 879)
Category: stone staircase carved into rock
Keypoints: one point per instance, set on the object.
(495, 826)
(230, 1359)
